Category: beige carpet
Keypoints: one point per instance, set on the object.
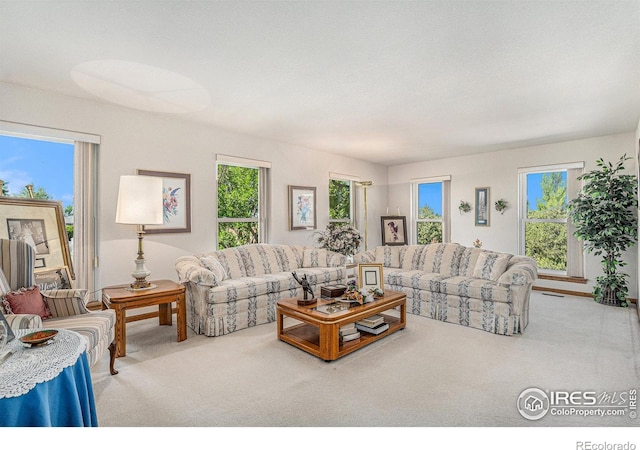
(431, 374)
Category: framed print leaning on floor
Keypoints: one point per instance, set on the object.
(39, 223)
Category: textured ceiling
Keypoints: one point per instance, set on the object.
(388, 82)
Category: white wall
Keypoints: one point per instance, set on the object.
(136, 140)
(499, 171)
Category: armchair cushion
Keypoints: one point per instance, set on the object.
(23, 321)
(66, 302)
(27, 301)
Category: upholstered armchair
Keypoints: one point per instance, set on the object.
(64, 308)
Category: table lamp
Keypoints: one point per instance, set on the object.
(140, 203)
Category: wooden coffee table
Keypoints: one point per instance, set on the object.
(319, 332)
(121, 298)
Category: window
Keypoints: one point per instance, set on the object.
(545, 231)
(61, 165)
(431, 210)
(341, 204)
(241, 202)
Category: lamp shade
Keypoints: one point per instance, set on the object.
(139, 200)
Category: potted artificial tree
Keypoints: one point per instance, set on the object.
(604, 215)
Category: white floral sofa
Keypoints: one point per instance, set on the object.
(464, 285)
(236, 288)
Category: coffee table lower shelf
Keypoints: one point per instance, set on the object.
(320, 336)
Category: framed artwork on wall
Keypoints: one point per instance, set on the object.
(394, 230)
(176, 202)
(482, 207)
(39, 223)
(302, 208)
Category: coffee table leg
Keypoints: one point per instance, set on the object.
(280, 322)
(329, 342)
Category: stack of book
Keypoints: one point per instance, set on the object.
(374, 324)
(349, 333)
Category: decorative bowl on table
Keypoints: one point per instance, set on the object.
(38, 337)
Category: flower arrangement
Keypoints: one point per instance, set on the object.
(361, 295)
(464, 207)
(477, 243)
(501, 205)
(340, 238)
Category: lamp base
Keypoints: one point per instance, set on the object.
(136, 289)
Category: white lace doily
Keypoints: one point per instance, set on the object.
(28, 366)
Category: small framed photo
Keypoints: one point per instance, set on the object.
(176, 202)
(394, 230)
(53, 278)
(482, 207)
(302, 208)
(370, 276)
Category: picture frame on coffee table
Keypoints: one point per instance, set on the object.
(370, 276)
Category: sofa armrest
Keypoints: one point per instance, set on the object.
(23, 321)
(522, 270)
(66, 302)
(335, 259)
(364, 257)
(190, 270)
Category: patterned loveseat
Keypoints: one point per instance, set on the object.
(236, 288)
(464, 285)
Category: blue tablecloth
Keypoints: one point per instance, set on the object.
(65, 401)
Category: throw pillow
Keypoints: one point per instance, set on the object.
(490, 265)
(28, 301)
(214, 266)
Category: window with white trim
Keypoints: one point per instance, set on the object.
(242, 193)
(61, 165)
(545, 231)
(431, 211)
(341, 200)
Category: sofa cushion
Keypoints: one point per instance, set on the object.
(415, 279)
(212, 264)
(388, 255)
(441, 258)
(92, 326)
(490, 265)
(475, 288)
(248, 287)
(314, 257)
(468, 261)
(261, 259)
(410, 256)
(232, 261)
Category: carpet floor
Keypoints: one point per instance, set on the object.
(431, 374)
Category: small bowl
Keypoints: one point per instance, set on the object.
(38, 337)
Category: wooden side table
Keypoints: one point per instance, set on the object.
(121, 298)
